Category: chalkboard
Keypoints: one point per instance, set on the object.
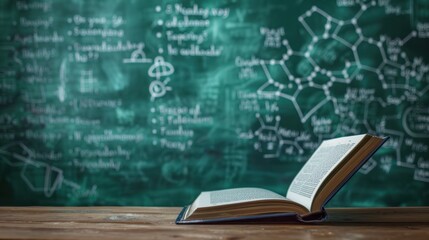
(152, 102)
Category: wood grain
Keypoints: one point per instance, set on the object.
(158, 223)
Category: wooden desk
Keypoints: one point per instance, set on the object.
(156, 222)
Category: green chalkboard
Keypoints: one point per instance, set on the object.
(151, 102)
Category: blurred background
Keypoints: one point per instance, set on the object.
(151, 102)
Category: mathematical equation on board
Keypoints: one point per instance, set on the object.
(83, 93)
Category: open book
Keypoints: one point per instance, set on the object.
(327, 170)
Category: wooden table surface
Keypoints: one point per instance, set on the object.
(158, 223)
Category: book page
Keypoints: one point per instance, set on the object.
(236, 195)
(231, 196)
(329, 154)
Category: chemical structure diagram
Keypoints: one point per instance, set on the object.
(401, 78)
(19, 155)
(274, 139)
